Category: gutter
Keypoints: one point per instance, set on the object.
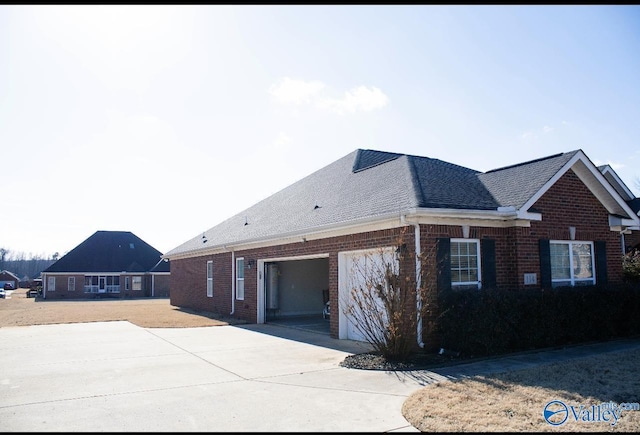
(383, 221)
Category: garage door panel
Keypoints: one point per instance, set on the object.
(363, 316)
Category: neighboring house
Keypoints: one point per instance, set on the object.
(515, 227)
(8, 277)
(109, 263)
(160, 278)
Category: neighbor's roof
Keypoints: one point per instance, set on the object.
(10, 274)
(366, 184)
(109, 251)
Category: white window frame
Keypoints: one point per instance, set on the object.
(136, 283)
(240, 279)
(51, 283)
(478, 282)
(572, 280)
(71, 284)
(210, 279)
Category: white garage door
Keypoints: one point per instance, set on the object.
(358, 272)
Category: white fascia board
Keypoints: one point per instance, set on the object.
(506, 217)
(375, 223)
(95, 273)
(609, 170)
(501, 218)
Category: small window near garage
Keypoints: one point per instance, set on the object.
(51, 284)
(572, 263)
(240, 279)
(71, 284)
(127, 283)
(136, 283)
(465, 263)
(210, 279)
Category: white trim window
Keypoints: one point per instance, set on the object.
(71, 284)
(51, 283)
(210, 279)
(136, 283)
(465, 263)
(240, 279)
(572, 263)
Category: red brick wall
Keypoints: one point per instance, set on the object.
(567, 203)
(632, 241)
(188, 276)
(62, 292)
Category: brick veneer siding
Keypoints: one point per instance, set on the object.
(632, 241)
(62, 292)
(568, 203)
(188, 276)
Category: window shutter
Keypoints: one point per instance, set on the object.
(488, 250)
(443, 260)
(601, 263)
(545, 263)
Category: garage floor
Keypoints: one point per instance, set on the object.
(312, 323)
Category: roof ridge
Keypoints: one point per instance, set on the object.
(553, 156)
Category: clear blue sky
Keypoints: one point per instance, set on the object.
(166, 120)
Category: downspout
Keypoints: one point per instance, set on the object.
(416, 227)
(233, 282)
(418, 283)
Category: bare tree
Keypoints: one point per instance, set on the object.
(385, 303)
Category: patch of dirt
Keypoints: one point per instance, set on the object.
(18, 310)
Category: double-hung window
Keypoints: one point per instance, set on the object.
(210, 279)
(71, 284)
(572, 263)
(136, 283)
(465, 263)
(240, 279)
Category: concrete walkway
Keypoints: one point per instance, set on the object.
(117, 377)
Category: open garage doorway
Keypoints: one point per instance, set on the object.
(295, 292)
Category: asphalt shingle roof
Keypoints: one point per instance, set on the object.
(515, 185)
(368, 184)
(109, 251)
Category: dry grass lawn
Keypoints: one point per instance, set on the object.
(18, 310)
(508, 402)
(514, 401)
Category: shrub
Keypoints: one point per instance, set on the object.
(490, 322)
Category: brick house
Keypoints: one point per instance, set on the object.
(108, 263)
(520, 226)
(9, 277)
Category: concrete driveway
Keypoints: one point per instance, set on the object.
(115, 376)
(118, 377)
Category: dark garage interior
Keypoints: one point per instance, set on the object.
(296, 293)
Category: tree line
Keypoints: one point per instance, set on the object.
(25, 265)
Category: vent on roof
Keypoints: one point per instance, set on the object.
(366, 159)
(132, 246)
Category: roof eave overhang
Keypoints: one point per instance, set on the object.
(503, 217)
